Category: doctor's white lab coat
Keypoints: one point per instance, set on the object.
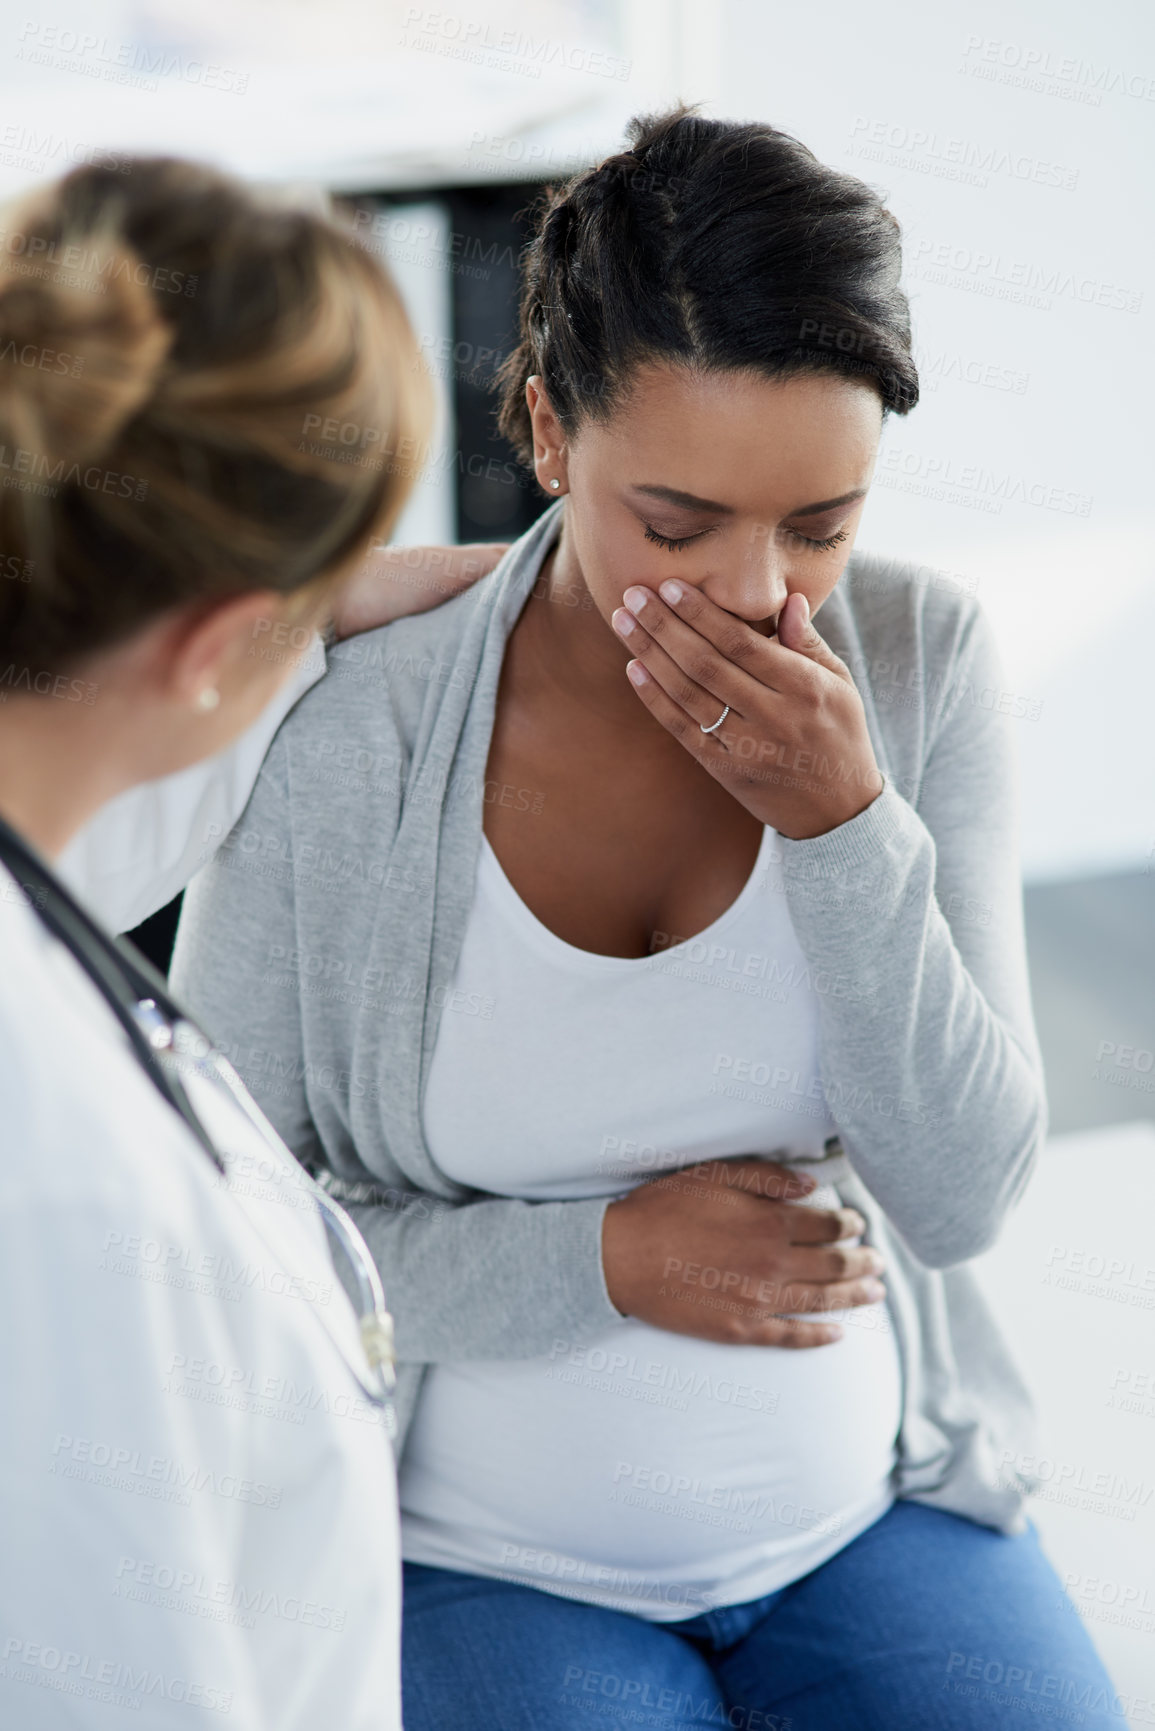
(197, 1499)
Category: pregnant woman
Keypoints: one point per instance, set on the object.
(685, 896)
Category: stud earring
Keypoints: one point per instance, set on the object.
(208, 699)
(555, 483)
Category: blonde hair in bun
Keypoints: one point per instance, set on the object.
(181, 361)
(76, 364)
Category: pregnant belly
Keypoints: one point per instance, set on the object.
(641, 1450)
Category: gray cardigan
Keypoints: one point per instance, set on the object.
(319, 944)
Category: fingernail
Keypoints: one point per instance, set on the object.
(877, 1265)
(636, 598)
(623, 621)
(671, 592)
(806, 613)
(874, 1290)
(636, 673)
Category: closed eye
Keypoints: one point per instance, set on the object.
(671, 541)
(808, 541)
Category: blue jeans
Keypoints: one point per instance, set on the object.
(925, 1621)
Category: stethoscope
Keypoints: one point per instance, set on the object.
(166, 1042)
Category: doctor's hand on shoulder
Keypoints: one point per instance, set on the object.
(396, 581)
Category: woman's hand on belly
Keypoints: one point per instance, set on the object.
(720, 1249)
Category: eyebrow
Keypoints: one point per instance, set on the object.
(691, 501)
(829, 504)
(688, 501)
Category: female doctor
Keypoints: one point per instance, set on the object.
(197, 1495)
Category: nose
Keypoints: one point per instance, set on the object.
(756, 587)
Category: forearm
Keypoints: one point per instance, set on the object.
(491, 1279)
(936, 1088)
(395, 581)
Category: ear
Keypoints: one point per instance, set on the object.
(548, 438)
(212, 646)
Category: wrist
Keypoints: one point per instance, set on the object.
(822, 824)
(611, 1250)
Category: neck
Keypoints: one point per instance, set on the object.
(573, 649)
(58, 765)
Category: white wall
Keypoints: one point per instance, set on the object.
(1033, 306)
(413, 239)
(1015, 145)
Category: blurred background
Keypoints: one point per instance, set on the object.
(1013, 142)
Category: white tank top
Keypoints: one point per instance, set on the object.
(643, 1470)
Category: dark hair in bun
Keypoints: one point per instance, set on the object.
(713, 243)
